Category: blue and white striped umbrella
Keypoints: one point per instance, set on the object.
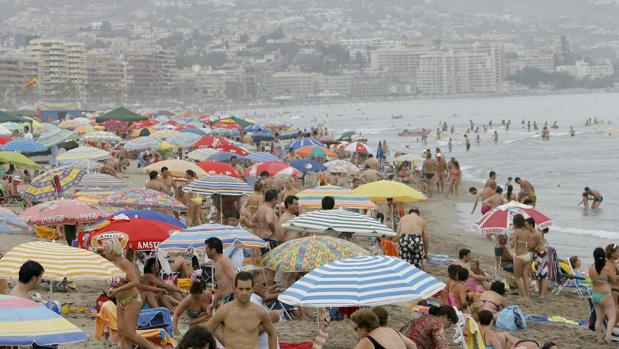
(303, 142)
(194, 237)
(339, 220)
(24, 146)
(257, 128)
(184, 139)
(262, 157)
(362, 281)
(54, 137)
(202, 154)
(218, 184)
(262, 137)
(223, 156)
(307, 165)
(143, 143)
(197, 131)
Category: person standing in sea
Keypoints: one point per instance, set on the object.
(467, 142)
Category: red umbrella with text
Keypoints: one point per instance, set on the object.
(218, 168)
(499, 220)
(141, 234)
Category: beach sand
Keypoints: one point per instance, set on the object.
(447, 237)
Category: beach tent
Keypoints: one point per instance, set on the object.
(121, 114)
(6, 117)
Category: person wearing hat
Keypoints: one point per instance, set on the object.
(13, 186)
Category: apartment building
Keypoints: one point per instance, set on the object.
(295, 84)
(403, 61)
(151, 73)
(106, 77)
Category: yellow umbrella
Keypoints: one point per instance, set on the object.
(84, 129)
(17, 159)
(383, 190)
(176, 167)
(59, 262)
(164, 134)
(165, 146)
(138, 133)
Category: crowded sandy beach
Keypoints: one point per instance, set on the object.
(128, 228)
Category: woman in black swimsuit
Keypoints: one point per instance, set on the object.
(373, 336)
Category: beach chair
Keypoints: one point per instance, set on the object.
(570, 280)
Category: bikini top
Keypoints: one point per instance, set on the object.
(375, 343)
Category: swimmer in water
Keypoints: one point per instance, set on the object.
(591, 194)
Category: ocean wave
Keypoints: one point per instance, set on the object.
(604, 234)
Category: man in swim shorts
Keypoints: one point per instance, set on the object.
(412, 238)
(527, 190)
(428, 170)
(594, 195)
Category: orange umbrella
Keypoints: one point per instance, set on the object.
(315, 152)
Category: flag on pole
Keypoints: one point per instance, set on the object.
(31, 82)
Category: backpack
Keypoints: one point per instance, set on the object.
(511, 318)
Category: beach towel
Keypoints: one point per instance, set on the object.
(155, 318)
(105, 322)
(440, 259)
(474, 339)
(389, 248)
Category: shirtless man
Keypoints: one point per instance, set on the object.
(441, 171)
(370, 175)
(265, 222)
(486, 193)
(371, 162)
(428, 169)
(267, 181)
(527, 190)
(491, 179)
(413, 238)
(241, 320)
(464, 260)
(30, 275)
(154, 183)
(251, 204)
(166, 180)
(289, 189)
(495, 199)
(224, 270)
(291, 203)
(591, 194)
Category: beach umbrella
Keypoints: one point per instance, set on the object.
(25, 323)
(5, 139)
(24, 146)
(303, 142)
(201, 154)
(143, 143)
(262, 157)
(142, 132)
(344, 198)
(194, 130)
(148, 214)
(49, 139)
(10, 223)
(341, 166)
(184, 139)
(500, 219)
(315, 152)
(85, 129)
(383, 190)
(53, 182)
(307, 165)
(17, 159)
(61, 212)
(236, 120)
(12, 126)
(115, 125)
(250, 148)
(194, 237)
(74, 123)
(144, 124)
(100, 137)
(262, 137)
(227, 125)
(7, 117)
(257, 128)
(218, 184)
(338, 220)
(309, 253)
(137, 233)
(100, 180)
(224, 157)
(176, 167)
(6, 134)
(165, 134)
(362, 281)
(358, 147)
(83, 153)
(142, 198)
(120, 114)
(59, 262)
(274, 168)
(221, 144)
(219, 168)
(413, 159)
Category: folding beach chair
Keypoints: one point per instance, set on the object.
(570, 280)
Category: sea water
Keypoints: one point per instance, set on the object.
(558, 168)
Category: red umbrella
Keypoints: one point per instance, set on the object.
(141, 124)
(62, 212)
(114, 124)
(141, 234)
(274, 168)
(499, 220)
(228, 125)
(221, 144)
(220, 168)
(357, 147)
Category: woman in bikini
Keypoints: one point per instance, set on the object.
(128, 301)
(492, 339)
(452, 278)
(522, 259)
(196, 304)
(169, 295)
(612, 254)
(373, 336)
(493, 300)
(602, 274)
(458, 297)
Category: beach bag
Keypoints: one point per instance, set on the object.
(511, 318)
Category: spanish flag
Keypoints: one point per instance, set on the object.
(31, 82)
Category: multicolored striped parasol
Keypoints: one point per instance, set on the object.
(194, 237)
(83, 153)
(344, 198)
(142, 198)
(218, 184)
(53, 182)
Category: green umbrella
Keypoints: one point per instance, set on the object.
(17, 159)
(121, 114)
(238, 121)
(4, 117)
